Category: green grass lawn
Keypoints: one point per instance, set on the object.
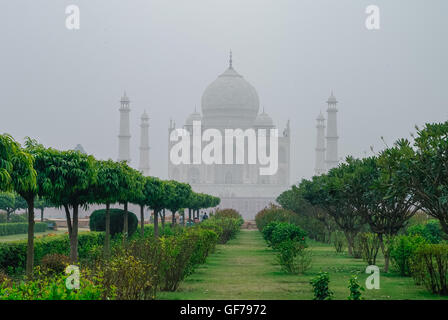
(245, 268)
(23, 236)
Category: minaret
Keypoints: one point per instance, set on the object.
(125, 136)
(320, 146)
(144, 145)
(331, 158)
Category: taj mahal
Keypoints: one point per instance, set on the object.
(231, 102)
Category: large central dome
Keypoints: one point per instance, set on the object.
(230, 101)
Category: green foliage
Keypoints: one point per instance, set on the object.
(51, 287)
(7, 229)
(98, 221)
(339, 241)
(403, 248)
(227, 213)
(131, 274)
(355, 288)
(320, 286)
(431, 231)
(429, 266)
(293, 257)
(279, 232)
(54, 263)
(370, 244)
(274, 213)
(226, 228)
(13, 254)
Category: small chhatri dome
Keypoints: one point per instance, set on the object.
(263, 120)
(195, 116)
(145, 116)
(320, 117)
(332, 98)
(230, 101)
(124, 98)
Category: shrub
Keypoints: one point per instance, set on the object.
(431, 231)
(370, 244)
(429, 266)
(403, 248)
(357, 247)
(275, 214)
(339, 241)
(293, 257)
(355, 288)
(5, 281)
(10, 228)
(284, 231)
(205, 241)
(98, 221)
(176, 254)
(13, 254)
(54, 263)
(320, 287)
(228, 227)
(51, 287)
(127, 277)
(227, 213)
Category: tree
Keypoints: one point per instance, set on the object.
(178, 196)
(8, 147)
(107, 190)
(388, 200)
(132, 188)
(66, 179)
(334, 192)
(24, 182)
(138, 197)
(7, 203)
(155, 194)
(316, 219)
(42, 203)
(426, 171)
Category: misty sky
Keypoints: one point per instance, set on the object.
(63, 87)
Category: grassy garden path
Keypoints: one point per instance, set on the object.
(245, 268)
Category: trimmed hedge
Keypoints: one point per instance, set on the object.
(7, 229)
(13, 254)
(98, 221)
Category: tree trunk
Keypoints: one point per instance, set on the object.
(350, 242)
(173, 218)
(30, 246)
(41, 214)
(183, 218)
(142, 219)
(156, 223)
(107, 236)
(189, 215)
(125, 223)
(163, 219)
(74, 237)
(386, 253)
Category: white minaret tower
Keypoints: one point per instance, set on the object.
(125, 136)
(331, 158)
(144, 145)
(320, 146)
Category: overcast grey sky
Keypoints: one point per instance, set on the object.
(63, 87)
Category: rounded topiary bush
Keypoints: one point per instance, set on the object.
(98, 221)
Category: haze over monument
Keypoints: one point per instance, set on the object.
(63, 87)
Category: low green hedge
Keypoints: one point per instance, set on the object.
(13, 254)
(7, 229)
(98, 221)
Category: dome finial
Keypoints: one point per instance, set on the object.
(230, 60)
